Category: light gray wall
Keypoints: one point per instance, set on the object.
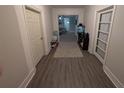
(47, 26)
(12, 56)
(115, 56)
(15, 60)
(89, 21)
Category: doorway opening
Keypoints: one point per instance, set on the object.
(67, 23)
(68, 47)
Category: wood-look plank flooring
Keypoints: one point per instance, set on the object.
(83, 72)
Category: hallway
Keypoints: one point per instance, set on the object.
(66, 70)
(29, 56)
(68, 46)
(77, 72)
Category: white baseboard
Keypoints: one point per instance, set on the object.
(26, 81)
(112, 77)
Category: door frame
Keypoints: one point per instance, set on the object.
(35, 9)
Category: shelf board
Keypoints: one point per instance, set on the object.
(102, 41)
(105, 22)
(101, 49)
(103, 32)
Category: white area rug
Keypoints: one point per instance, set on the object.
(68, 46)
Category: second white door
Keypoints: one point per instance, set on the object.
(33, 22)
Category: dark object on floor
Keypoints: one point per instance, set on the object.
(86, 42)
(83, 40)
(80, 37)
(62, 31)
(54, 43)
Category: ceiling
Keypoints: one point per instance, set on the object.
(68, 6)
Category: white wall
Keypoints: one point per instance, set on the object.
(89, 19)
(12, 56)
(47, 26)
(115, 56)
(66, 11)
(15, 59)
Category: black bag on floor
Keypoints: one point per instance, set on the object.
(86, 42)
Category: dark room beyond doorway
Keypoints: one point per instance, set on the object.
(67, 23)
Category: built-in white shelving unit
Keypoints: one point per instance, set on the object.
(103, 33)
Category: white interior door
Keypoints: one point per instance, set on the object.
(33, 22)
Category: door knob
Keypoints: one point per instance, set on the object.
(41, 38)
